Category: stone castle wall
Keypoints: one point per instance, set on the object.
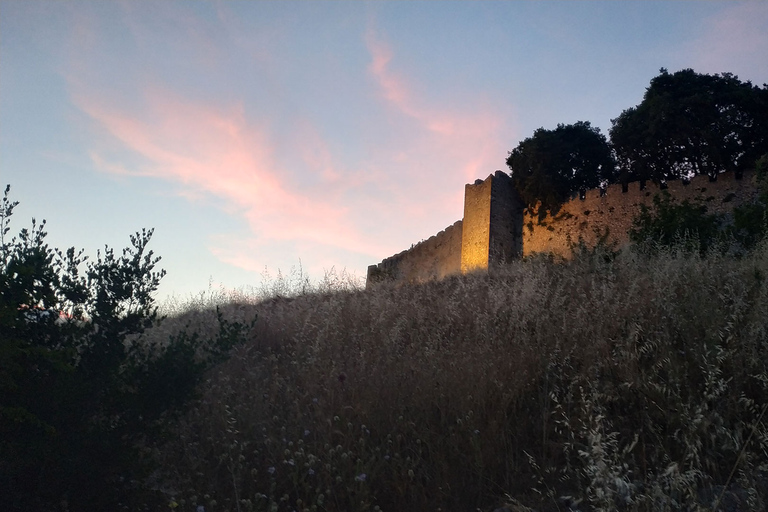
(615, 210)
(497, 228)
(492, 229)
(434, 258)
(476, 227)
(506, 220)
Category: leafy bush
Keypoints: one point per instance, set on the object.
(689, 227)
(83, 396)
(750, 221)
(670, 224)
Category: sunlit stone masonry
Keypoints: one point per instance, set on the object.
(497, 227)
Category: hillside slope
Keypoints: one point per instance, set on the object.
(637, 383)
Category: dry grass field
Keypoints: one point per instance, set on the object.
(628, 383)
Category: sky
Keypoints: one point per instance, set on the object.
(320, 135)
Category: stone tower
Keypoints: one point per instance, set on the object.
(492, 229)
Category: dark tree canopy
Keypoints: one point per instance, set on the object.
(690, 123)
(553, 164)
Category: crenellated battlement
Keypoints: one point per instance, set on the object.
(496, 227)
(613, 210)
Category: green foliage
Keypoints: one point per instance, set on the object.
(687, 124)
(761, 172)
(690, 123)
(603, 248)
(750, 224)
(83, 396)
(670, 224)
(553, 164)
(688, 226)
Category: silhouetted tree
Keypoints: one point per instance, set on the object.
(553, 164)
(690, 123)
(80, 392)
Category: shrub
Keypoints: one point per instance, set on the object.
(83, 396)
(670, 224)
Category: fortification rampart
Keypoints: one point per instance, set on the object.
(496, 227)
(492, 229)
(434, 258)
(614, 211)
(476, 227)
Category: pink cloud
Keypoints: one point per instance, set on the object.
(392, 86)
(734, 41)
(216, 151)
(315, 153)
(474, 140)
(300, 194)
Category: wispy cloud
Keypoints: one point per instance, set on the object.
(474, 140)
(734, 41)
(301, 195)
(216, 151)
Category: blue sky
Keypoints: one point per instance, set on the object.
(257, 135)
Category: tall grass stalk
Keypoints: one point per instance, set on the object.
(626, 383)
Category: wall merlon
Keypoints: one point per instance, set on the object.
(615, 211)
(496, 227)
(433, 258)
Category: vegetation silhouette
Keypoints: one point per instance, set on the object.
(84, 397)
(691, 123)
(550, 166)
